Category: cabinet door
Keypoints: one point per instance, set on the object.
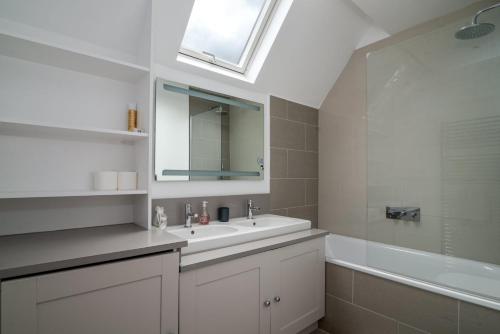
(132, 296)
(226, 298)
(298, 286)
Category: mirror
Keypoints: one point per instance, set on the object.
(202, 135)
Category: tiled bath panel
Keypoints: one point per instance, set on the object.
(358, 303)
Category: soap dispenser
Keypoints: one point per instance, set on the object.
(204, 217)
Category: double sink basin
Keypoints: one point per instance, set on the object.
(236, 231)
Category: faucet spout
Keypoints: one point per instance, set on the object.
(251, 208)
(189, 215)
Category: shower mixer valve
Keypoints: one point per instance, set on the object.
(403, 213)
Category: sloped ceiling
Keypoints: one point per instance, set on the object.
(396, 15)
(313, 45)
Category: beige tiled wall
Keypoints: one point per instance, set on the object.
(294, 160)
(344, 189)
(359, 303)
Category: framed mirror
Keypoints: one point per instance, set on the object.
(202, 135)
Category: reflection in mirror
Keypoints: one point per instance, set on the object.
(202, 135)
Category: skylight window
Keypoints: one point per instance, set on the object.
(226, 32)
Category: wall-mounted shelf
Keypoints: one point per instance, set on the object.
(31, 49)
(76, 193)
(46, 130)
(67, 76)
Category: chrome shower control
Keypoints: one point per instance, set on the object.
(403, 213)
(277, 299)
(267, 303)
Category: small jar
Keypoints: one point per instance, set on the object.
(204, 217)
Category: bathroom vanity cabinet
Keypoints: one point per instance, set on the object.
(138, 295)
(277, 291)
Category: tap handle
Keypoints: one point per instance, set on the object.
(188, 208)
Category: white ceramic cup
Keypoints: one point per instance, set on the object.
(106, 180)
(127, 180)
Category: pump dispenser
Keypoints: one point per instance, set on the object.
(204, 217)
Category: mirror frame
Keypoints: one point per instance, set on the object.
(176, 189)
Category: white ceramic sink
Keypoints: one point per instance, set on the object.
(263, 221)
(236, 231)
(200, 231)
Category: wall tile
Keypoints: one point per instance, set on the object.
(280, 212)
(294, 171)
(175, 207)
(286, 134)
(475, 319)
(287, 193)
(312, 192)
(342, 190)
(278, 163)
(302, 164)
(312, 138)
(339, 281)
(418, 308)
(345, 318)
(404, 329)
(305, 212)
(301, 113)
(471, 239)
(278, 107)
(425, 235)
(319, 331)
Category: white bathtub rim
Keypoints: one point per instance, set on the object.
(446, 291)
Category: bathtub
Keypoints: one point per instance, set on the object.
(467, 280)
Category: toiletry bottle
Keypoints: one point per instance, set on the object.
(132, 117)
(204, 217)
(161, 218)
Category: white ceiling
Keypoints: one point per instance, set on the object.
(314, 44)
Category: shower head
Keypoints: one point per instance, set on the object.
(476, 29)
(218, 109)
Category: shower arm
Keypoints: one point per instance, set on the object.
(474, 20)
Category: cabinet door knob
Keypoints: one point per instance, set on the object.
(277, 299)
(267, 303)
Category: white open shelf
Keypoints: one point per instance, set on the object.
(56, 131)
(73, 193)
(30, 49)
(68, 73)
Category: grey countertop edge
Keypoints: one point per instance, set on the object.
(41, 268)
(203, 259)
(43, 252)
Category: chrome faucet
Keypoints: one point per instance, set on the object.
(189, 215)
(250, 208)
